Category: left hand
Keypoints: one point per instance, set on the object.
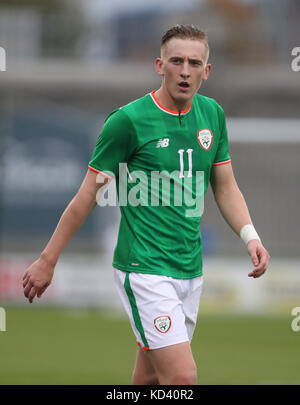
(260, 258)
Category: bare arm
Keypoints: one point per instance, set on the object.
(233, 208)
(39, 275)
(229, 198)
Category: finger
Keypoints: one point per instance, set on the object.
(254, 271)
(41, 291)
(28, 288)
(263, 263)
(25, 275)
(255, 259)
(25, 282)
(28, 292)
(258, 272)
(32, 294)
(261, 266)
(252, 274)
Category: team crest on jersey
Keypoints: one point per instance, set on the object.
(205, 138)
(162, 323)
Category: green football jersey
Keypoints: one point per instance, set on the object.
(161, 161)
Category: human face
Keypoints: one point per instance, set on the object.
(183, 66)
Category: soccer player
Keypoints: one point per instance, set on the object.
(176, 137)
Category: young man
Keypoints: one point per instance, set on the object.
(158, 258)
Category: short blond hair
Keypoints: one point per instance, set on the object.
(184, 32)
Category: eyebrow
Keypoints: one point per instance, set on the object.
(181, 59)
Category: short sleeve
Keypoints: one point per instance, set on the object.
(116, 144)
(222, 155)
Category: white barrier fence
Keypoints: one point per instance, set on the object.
(82, 280)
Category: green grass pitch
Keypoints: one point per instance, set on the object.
(58, 346)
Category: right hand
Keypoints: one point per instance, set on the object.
(37, 278)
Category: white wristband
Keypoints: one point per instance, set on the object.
(248, 233)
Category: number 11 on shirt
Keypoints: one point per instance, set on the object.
(189, 152)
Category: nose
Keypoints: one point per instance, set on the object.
(185, 72)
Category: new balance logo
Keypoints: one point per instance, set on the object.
(163, 143)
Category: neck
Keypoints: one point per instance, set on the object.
(165, 99)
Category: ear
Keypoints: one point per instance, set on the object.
(207, 71)
(159, 66)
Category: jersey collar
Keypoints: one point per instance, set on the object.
(161, 107)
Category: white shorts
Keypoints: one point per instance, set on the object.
(162, 310)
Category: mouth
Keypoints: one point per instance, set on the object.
(183, 85)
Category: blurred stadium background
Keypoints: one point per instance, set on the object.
(68, 64)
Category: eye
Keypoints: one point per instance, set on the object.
(176, 61)
(195, 63)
